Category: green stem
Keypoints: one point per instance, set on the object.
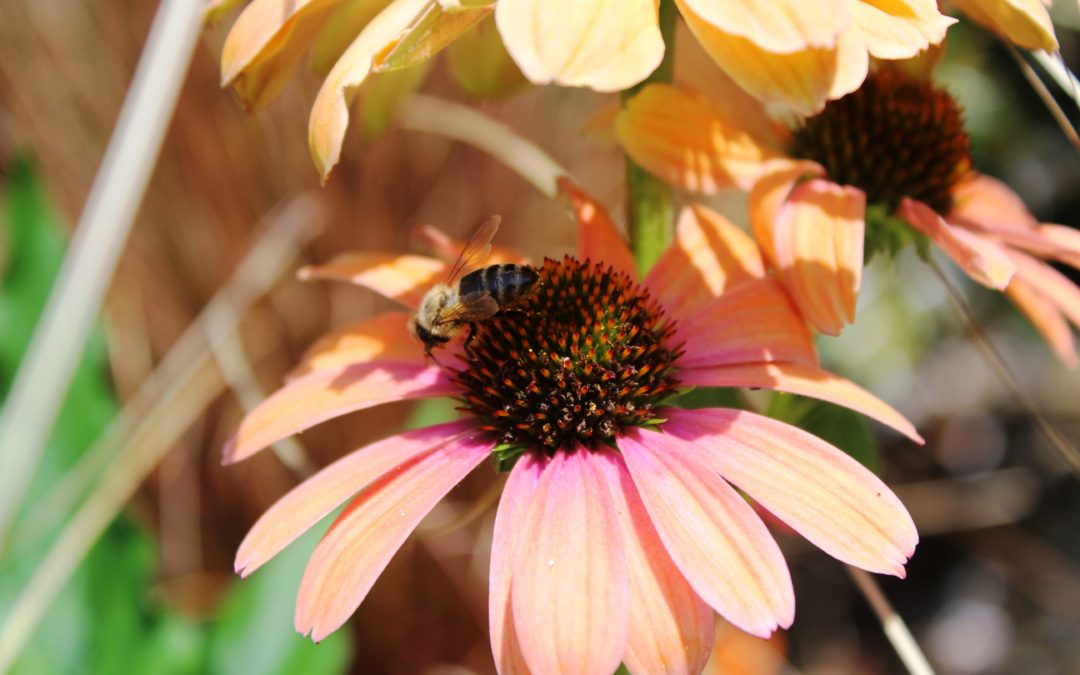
(651, 208)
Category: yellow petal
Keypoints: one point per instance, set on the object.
(480, 64)
(435, 29)
(1025, 22)
(330, 114)
(264, 45)
(802, 80)
(607, 45)
(900, 29)
(778, 26)
(683, 139)
(818, 238)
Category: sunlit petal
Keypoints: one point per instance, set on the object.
(402, 278)
(768, 195)
(984, 261)
(382, 338)
(598, 240)
(1025, 22)
(900, 29)
(781, 26)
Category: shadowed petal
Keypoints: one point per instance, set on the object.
(505, 543)
(671, 628)
(805, 380)
(360, 543)
(607, 45)
(767, 198)
(402, 278)
(569, 593)
(330, 113)
(1052, 284)
(309, 502)
(900, 29)
(381, 338)
(822, 493)
(781, 26)
(1047, 319)
(598, 240)
(715, 538)
(818, 240)
(708, 257)
(1025, 22)
(752, 322)
(325, 394)
(682, 138)
(981, 258)
(985, 203)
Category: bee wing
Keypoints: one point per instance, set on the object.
(472, 307)
(476, 250)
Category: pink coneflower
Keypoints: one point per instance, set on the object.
(621, 528)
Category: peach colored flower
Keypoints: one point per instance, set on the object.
(1024, 22)
(620, 529)
(893, 152)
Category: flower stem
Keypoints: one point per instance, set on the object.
(650, 207)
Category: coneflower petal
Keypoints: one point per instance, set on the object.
(598, 240)
(983, 259)
(382, 338)
(1044, 314)
(401, 278)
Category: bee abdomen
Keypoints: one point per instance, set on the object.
(507, 283)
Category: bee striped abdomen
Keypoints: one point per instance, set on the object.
(507, 283)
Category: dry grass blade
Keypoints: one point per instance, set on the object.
(1045, 96)
(891, 623)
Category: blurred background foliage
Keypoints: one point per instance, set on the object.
(994, 585)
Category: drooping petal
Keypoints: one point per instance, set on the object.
(1047, 319)
(569, 591)
(682, 138)
(900, 29)
(360, 543)
(266, 43)
(381, 338)
(402, 278)
(326, 394)
(818, 240)
(312, 500)
(607, 45)
(1025, 22)
(780, 26)
(750, 323)
(717, 541)
(1052, 284)
(818, 490)
(505, 542)
(768, 195)
(671, 628)
(709, 256)
(985, 203)
(984, 260)
(1066, 242)
(805, 380)
(598, 240)
(330, 113)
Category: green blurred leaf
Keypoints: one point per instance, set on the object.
(844, 428)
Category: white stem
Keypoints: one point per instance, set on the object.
(58, 342)
(892, 624)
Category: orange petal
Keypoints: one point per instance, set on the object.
(780, 26)
(984, 260)
(330, 113)
(266, 43)
(752, 322)
(801, 80)
(818, 240)
(768, 195)
(402, 278)
(1025, 22)
(1053, 285)
(717, 541)
(900, 29)
(607, 46)
(326, 394)
(569, 592)
(1047, 319)
(381, 338)
(360, 543)
(433, 30)
(805, 380)
(598, 239)
(312, 500)
(1066, 242)
(985, 203)
(449, 249)
(813, 487)
(708, 257)
(671, 628)
(686, 141)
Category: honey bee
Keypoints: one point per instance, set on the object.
(476, 296)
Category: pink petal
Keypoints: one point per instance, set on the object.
(360, 543)
(709, 255)
(805, 380)
(818, 240)
(598, 239)
(506, 540)
(752, 322)
(402, 278)
(1047, 319)
(986, 203)
(569, 594)
(1052, 284)
(715, 538)
(671, 628)
(325, 394)
(309, 502)
(981, 258)
(819, 491)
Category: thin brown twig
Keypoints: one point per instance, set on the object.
(1058, 440)
(1044, 94)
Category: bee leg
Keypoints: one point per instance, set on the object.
(469, 338)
